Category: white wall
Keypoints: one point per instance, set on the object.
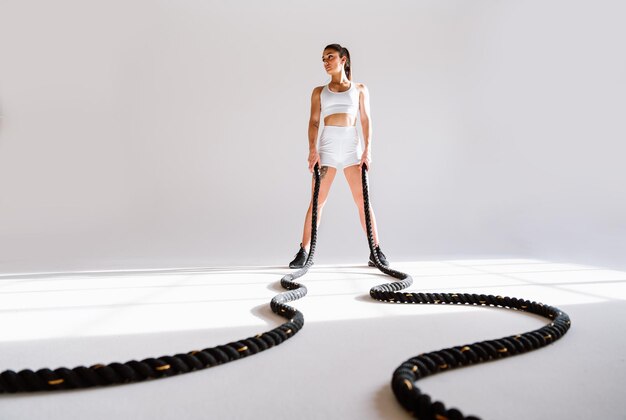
(168, 134)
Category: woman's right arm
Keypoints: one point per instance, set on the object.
(314, 124)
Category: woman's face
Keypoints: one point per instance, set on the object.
(332, 62)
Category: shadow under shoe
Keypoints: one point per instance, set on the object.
(300, 259)
(381, 258)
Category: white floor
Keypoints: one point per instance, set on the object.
(339, 366)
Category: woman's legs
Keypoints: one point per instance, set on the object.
(327, 174)
(353, 176)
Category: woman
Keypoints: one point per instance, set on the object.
(337, 103)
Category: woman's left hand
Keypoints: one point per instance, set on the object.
(365, 159)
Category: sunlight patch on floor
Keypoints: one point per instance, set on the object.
(57, 305)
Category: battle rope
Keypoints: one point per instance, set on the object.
(152, 368)
(403, 379)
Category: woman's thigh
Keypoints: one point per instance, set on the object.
(327, 175)
(353, 176)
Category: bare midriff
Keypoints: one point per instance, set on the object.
(340, 119)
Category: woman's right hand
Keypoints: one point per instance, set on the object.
(314, 158)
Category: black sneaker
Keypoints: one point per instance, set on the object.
(300, 259)
(381, 258)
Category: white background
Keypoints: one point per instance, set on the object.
(165, 134)
(153, 134)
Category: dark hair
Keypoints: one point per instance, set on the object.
(343, 52)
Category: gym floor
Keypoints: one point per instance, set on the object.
(339, 365)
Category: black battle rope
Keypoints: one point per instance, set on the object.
(152, 368)
(404, 377)
(425, 364)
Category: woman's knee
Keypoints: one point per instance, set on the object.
(320, 203)
(361, 207)
(358, 200)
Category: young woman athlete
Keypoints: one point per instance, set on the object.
(337, 104)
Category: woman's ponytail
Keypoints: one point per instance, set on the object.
(348, 66)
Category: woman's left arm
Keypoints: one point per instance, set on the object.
(366, 123)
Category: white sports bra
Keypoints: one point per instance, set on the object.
(339, 102)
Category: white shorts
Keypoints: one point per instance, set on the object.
(340, 146)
